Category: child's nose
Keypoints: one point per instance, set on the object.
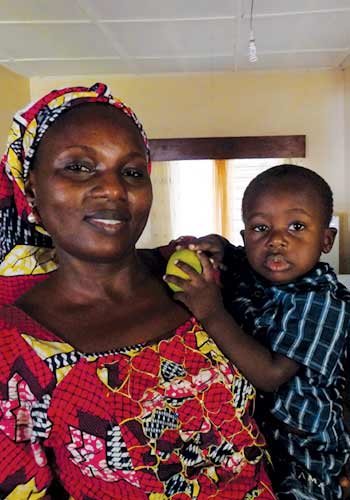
(277, 239)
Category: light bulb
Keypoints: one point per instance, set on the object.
(252, 47)
(252, 51)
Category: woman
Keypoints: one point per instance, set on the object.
(108, 388)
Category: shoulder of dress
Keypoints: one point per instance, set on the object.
(8, 318)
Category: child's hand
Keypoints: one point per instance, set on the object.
(212, 244)
(344, 482)
(201, 294)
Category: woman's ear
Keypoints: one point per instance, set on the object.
(242, 234)
(29, 189)
(30, 192)
(328, 239)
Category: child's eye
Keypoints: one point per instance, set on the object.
(260, 228)
(78, 167)
(297, 226)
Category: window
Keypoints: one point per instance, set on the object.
(192, 197)
(195, 195)
(188, 198)
(240, 173)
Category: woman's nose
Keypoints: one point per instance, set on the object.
(111, 186)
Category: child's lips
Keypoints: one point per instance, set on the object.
(277, 263)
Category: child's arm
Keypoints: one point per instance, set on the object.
(344, 481)
(265, 369)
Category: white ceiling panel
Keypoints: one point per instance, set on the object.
(301, 60)
(207, 64)
(185, 64)
(302, 31)
(28, 10)
(21, 41)
(70, 67)
(158, 65)
(285, 6)
(184, 38)
(160, 9)
(66, 37)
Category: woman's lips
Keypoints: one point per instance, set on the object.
(107, 221)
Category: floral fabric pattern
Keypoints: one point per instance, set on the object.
(166, 420)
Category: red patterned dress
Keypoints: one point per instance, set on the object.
(163, 420)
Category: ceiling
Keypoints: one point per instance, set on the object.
(70, 37)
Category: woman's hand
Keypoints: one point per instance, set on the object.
(212, 244)
(201, 293)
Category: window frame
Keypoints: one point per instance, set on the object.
(225, 148)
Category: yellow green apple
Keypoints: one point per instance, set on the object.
(185, 255)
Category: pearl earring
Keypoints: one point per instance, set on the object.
(31, 218)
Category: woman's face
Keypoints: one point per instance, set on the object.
(90, 183)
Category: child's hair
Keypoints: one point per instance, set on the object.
(291, 175)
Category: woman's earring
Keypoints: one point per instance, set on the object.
(31, 218)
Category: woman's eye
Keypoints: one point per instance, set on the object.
(134, 173)
(297, 226)
(78, 167)
(260, 228)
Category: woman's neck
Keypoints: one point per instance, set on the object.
(84, 281)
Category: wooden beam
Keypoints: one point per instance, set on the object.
(223, 148)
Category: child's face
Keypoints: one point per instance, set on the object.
(284, 232)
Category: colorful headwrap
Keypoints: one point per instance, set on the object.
(26, 250)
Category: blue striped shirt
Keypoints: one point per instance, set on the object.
(307, 321)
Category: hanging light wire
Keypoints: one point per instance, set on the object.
(252, 47)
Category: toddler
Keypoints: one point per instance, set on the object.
(279, 294)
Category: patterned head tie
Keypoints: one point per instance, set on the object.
(25, 247)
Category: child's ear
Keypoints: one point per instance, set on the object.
(328, 239)
(242, 234)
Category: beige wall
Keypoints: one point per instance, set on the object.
(15, 93)
(258, 103)
(346, 221)
(315, 103)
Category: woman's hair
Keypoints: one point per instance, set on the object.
(291, 176)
